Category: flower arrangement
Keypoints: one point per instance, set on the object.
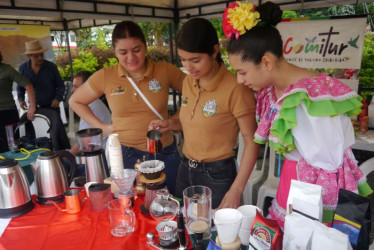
(238, 18)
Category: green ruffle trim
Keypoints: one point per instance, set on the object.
(364, 189)
(281, 127)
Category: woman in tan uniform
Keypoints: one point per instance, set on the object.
(214, 108)
(130, 114)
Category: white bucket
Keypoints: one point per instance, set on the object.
(227, 221)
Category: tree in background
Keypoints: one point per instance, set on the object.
(367, 62)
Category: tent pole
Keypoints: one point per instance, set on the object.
(71, 133)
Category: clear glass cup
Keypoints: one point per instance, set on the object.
(197, 204)
(10, 137)
(122, 219)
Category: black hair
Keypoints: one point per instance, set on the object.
(262, 38)
(198, 36)
(127, 29)
(84, 74)
(1, 57)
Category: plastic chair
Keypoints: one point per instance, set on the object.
(256, 175)
(41, 125)
(270, 186)
(367, 166)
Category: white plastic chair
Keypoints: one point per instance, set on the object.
(270, 186)
(63, 113)
(256, 175)
(367, 166)
(41, 126)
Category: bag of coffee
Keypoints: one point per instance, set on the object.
(306, 198)
(297, 232)
(352, 217)
(265, 234)
(328, 238)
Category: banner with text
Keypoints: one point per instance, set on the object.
(333, 43)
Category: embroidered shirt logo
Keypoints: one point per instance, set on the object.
(210, 108)
(154, 86)
(118, 91)
(185, 101)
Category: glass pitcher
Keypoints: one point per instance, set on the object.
(122, 218)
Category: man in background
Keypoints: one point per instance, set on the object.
(97, 106)
(49, 91)
(44, 76)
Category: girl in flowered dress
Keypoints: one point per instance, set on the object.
(304, 115)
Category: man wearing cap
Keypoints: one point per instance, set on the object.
(44, 76)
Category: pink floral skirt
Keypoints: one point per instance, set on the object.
(348, 176)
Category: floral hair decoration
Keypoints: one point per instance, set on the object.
(238, 18)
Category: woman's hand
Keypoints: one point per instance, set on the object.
(162, 125)
(107, 129)
(231, 199)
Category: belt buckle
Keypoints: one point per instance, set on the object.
(193, 163)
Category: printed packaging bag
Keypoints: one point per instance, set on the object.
(306, 199)
(352, 217)
(265, 234)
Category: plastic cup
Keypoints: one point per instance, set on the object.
(227, 221)
(10, 137)
(249, 214)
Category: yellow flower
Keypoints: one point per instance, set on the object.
(243, 17)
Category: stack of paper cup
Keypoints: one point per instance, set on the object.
(249, 214)
(115, 153)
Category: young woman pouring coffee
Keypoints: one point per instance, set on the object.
(130, 114)
(214, 109)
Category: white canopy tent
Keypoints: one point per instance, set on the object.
(65, 15)
(74, 14)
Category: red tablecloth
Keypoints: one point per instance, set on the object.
(45, 227)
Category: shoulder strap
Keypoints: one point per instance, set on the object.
(144, 98)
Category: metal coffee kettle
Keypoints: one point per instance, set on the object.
(15, 198)
(52, 178)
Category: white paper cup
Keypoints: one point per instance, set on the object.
(249, 214)
(227, 221)
(244, 236)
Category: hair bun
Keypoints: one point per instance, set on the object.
(270, 13)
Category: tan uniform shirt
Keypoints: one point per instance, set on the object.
(130, 114)
(208, 116)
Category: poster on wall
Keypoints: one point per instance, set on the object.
(334, 43)
(333, 46)
(13, 38)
